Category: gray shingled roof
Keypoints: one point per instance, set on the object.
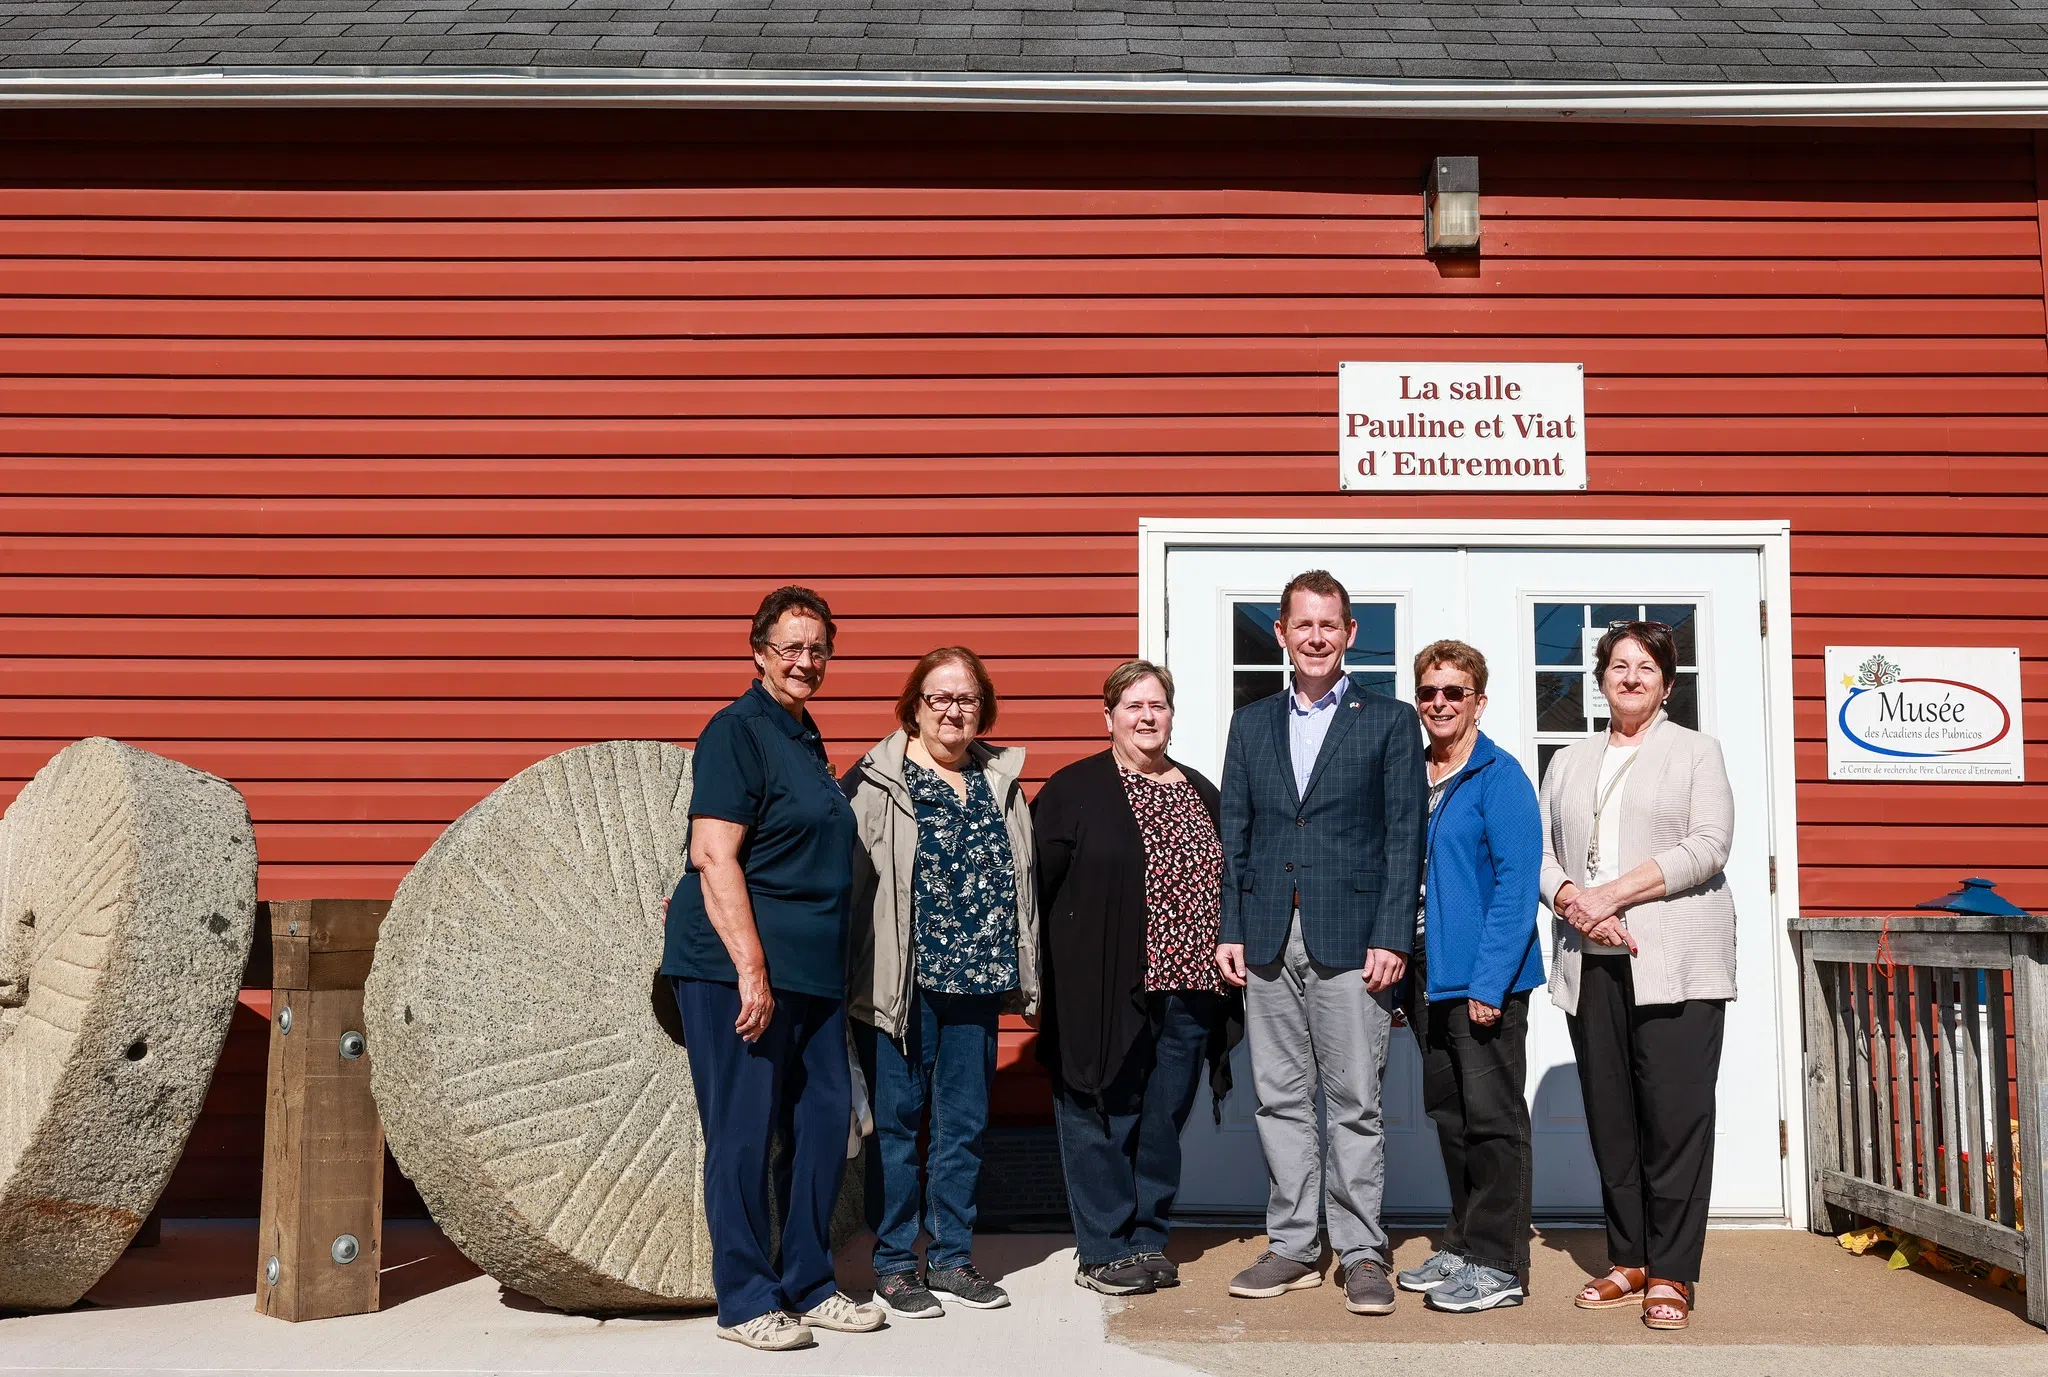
(1725, 40)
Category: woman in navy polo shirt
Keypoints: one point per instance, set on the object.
(756, 951)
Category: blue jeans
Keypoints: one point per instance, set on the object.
(943, 1064)
(791, 1083)
(1122, 1152)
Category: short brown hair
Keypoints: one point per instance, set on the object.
(790, 598)
(1654, 637)
(1128, 675)
(913, 687)
(1458, 656)
(1314, 581)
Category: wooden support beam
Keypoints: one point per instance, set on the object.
(1827, 1138)
(1980, 1238)
(2030, 1025)
(320, 1240)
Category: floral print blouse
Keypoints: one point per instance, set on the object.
(964, 902)
(1183, 884)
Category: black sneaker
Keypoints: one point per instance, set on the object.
(1164, 1272)
(965, 1286)
(1125, 1277)
(905, 1297)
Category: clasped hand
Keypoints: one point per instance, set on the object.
(1383, 969)
(1595, 913)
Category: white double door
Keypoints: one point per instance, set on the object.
(1535, 614)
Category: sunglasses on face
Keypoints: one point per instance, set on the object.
(1452, 693)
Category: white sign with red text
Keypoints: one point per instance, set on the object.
(1461, 427)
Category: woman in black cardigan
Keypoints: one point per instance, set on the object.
(1130, 875)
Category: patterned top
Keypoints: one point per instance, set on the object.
(964, 903)
(1183, 884)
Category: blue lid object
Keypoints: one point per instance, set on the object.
(1978, 895)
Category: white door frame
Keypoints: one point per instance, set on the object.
(1772, 541)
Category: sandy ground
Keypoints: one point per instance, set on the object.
(1758, 1287)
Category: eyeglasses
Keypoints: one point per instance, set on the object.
(1452, 693)
(792, 651)
(946, 702)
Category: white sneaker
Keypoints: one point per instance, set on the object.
(839, 1311)
(774, 1332)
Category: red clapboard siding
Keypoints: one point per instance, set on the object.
(367, 459)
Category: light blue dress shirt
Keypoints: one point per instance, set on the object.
(1307, 726)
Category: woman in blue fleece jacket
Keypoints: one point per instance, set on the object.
(1476, 959)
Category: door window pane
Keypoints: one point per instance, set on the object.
(1560, 631)
(1250, 685)
(1560, 702)
(1679, 617)
(1565, 691)
(1684, 703)
(1375, 643)
(1258, 665)
(1380, 682)
(1251, 633)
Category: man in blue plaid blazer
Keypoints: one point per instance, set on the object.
(1324, 799)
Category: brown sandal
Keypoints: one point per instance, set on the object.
(1682, 1303)
(1608, 1296)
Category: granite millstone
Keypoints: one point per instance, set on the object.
(525, 1085)
(127, 902)
(526, 1081)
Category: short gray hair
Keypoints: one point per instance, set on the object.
(1131, 673)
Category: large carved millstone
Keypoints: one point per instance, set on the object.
(127, 901)
(520, 1063)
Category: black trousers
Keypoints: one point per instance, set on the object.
(1647, 1073)
(1473, 1081)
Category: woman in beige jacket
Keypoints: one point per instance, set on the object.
(1636, 827)
(945, 924)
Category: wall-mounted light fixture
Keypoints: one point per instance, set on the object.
(1450, 206)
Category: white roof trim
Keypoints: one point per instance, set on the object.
(2009, 104)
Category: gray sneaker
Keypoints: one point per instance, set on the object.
(1124, 1277)
(1434, 1273)
(1367, 1288)
(963, 1285)
(1273, 1275)
(1476, 1288)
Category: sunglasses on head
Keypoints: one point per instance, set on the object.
(1452, 693)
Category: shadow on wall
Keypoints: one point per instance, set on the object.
(1558, 1099)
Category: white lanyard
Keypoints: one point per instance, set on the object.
(1599, 807)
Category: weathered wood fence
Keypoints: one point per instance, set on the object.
(1926, 1106)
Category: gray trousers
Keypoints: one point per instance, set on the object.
(1313, 1027)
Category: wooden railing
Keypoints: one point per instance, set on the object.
(1926, 1107)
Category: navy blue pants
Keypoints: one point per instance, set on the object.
(942, 1067)
(792, 1084)
(1121, 1150)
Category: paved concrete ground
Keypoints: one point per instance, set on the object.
(185, 1308)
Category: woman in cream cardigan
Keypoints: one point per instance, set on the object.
(1636, 826)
